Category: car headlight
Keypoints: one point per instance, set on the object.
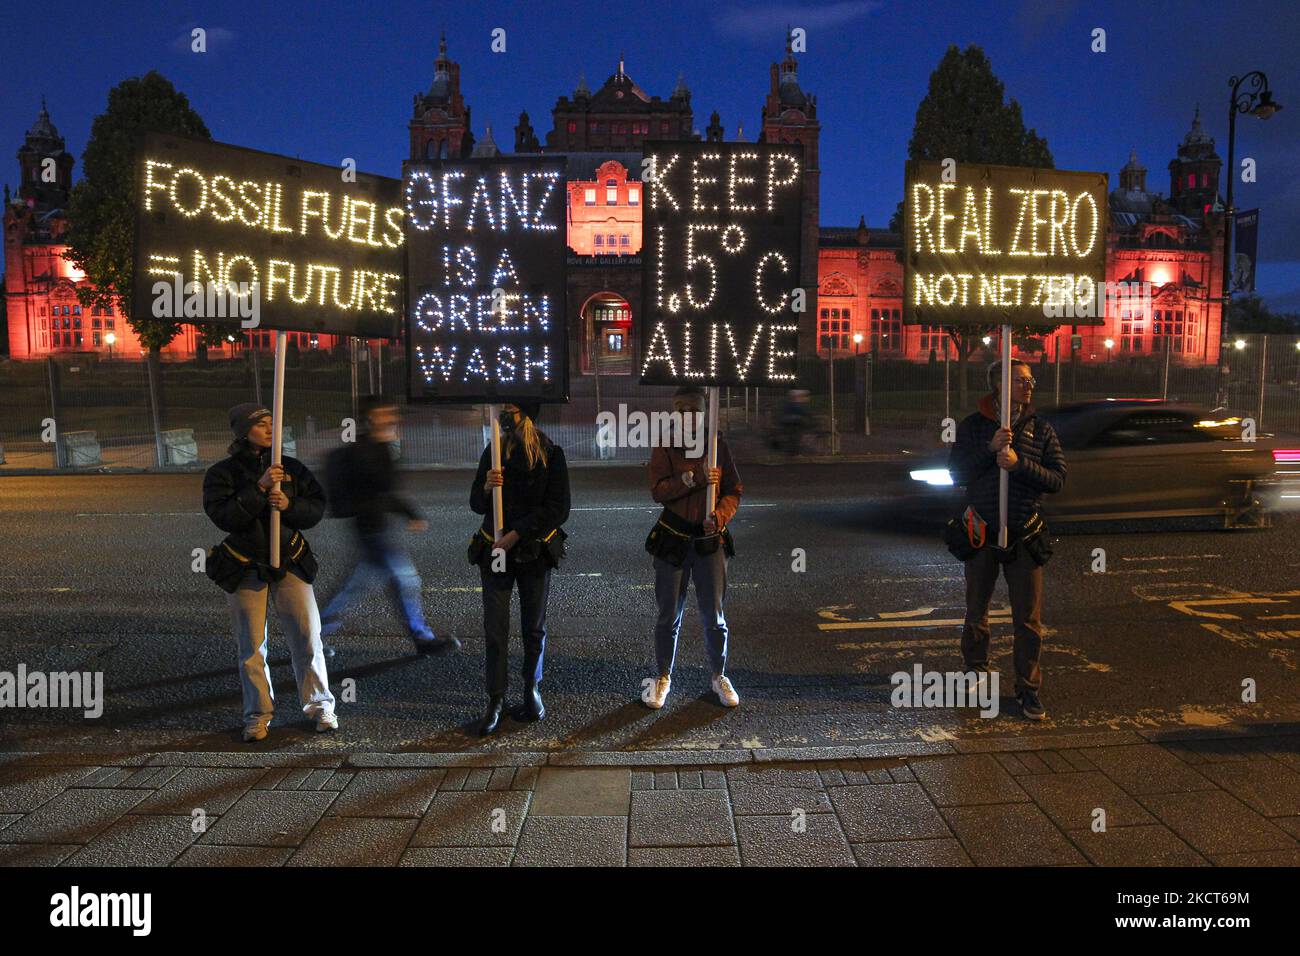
(933, 476)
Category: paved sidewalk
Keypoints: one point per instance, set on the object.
(1225, 798)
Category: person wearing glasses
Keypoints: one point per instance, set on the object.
(1030, 453)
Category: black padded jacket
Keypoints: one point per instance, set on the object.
(1040, 470)
(236, 505)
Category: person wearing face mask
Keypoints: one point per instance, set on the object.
(363, 485)
(238, 496)
(534, 483)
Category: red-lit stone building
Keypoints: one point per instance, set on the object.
(41, 309)
(854, 273)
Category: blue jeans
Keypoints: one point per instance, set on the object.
(534, 580)
(383, 558)
(671, 585)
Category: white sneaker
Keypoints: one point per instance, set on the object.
(254, 732)
(326, 722)
(726, 693)
(658, 693)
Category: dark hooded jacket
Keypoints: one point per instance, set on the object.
(1040, 469)
(535, 500)
(236, 505)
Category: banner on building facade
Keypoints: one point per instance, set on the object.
(485, 280)
(1003, 245)
(1244, 246)
(721, 251)
(227, 235)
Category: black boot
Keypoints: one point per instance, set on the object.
(492, 718)
(532, 708)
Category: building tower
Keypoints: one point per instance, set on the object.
(790, 116)
(1194, 172)
(525, 137)
(35, 271)
(440, 124)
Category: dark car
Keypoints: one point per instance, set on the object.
(1135, 458)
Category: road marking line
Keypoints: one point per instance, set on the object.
(1102, 574)
(140, 514)
(915, 612)
(1170, 557)
(1186, 607)
(746, 504)
(994, 618)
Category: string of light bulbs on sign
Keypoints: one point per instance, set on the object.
(700, 293)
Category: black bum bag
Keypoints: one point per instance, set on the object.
(672, 537)
(226, 566)
(549, 549)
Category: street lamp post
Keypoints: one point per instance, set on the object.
(110, 338)
(1257, 100)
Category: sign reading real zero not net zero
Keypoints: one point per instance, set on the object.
(318, 247)
(721, 264)
(1003, 245)
(486, 280)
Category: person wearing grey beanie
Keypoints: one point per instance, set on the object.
(239, 494)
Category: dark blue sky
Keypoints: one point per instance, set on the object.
(326, 80)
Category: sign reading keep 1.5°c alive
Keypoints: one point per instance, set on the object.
(1003, 245)
(232, 235)
(721, 263)
(485, 280)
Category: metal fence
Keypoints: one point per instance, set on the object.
(101, 415)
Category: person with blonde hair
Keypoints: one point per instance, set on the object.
(534, 483)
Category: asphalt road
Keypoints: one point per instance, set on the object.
(96, 575)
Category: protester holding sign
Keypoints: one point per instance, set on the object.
(534, 483)
(689, 543)
(1030, 453)
(238, 495)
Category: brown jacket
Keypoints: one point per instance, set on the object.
(667, 465)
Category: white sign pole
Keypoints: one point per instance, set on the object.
(1004, 476)
(277, 438)
(498, 515)
(711, 491)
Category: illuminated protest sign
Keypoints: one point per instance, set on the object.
(721, 264)
(485, 280)
(1003, 245)
(312, 248)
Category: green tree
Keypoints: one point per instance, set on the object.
(101, 209)
(965, 116)
(1250, 313)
